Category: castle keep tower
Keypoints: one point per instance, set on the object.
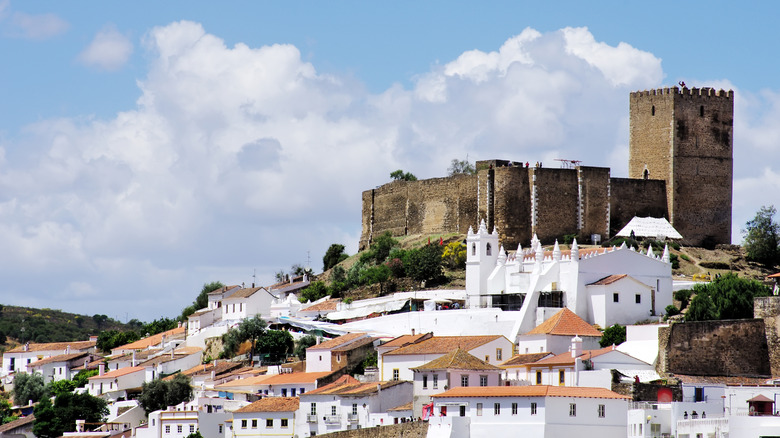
(685, 137)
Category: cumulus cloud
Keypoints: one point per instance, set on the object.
(108, 51)
(34, 27)
(241, 158)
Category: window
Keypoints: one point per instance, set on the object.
(338, 358)
(243, 424)
(192, 428)
(479, 409)
(219, 429)
(167, 429)
(638, 298)
(333, 410)
(602, 409)
(269, 423)
(314, 408)
(488, 250)
(462, 410)
(533, 408)
(615, 298)
(301, 390)
(561, 377)
(179, 428)
(499, 354)
(701, 111)
(395, 374)
(538, 377)
(254, 424)
(284, 423)
(464, 380)
(435, 381)
(354, 408)
(496, 408)
(473, 249)
(443, 411)
(292, 392)
(483, 381)
(572, 409)
(284, 392)
(425, 381)
(652, 111)
(514, 408)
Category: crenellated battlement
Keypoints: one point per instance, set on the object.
(685, 91)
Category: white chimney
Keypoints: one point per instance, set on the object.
(80, 425)
(101, 368)
(132, 362)
(576, 346)
(412, 332)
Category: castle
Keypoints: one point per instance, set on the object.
(680, 168)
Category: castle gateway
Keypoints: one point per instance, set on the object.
(680, 168)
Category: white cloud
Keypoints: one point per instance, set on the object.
(238, 158)
(36, 27)
(108, 51)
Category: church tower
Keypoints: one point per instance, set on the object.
(481, 257)
(685, 137)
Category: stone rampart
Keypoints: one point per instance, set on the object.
(413, 429)
(635, 197)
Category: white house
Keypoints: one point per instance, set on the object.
(60, 367)
(267, 417)
(348, 404)
(246, 303)
(334, 353)
(114, 384)
(183, 358)
(604, 286)
(398, 363)
(17, 359)
(537, 411)
(554, 335)
(161, 341)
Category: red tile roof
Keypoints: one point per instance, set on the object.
(54, 346)
(272, 404)
(609, 279)
(404, 340)
(117, 373)
(279, 379)
(530, 391)
(352, 387)
(58, 358)
(566, 359)
(337, 342)
(152, 340)
(521, 359)
(565, 323)
(457, 360)
(444, 344)
(324, 306)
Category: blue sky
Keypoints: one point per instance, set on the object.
(149, 147)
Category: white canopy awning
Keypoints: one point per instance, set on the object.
(657, 228)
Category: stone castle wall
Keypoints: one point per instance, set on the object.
(635, 197)
(768, 309)
(413, 429)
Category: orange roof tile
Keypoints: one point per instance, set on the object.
(53, 346)
(566, 359)
(609, 279)
(406, 340)
(244, 293)
(223, 289)
(565, 323)
(521, 359)
(324, 306)
(530, 391)
(151, 340)
(247, 381)
(458, 360)
(353, 388)
(272, 404)
(119, 372)
(444, 344)
(337, 342)
(278, 379)
(58, 358)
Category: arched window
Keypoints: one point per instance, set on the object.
(487, 249)
(473, 249)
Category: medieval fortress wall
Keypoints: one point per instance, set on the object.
(680, 167)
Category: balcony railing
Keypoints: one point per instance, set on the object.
(352, 418)
(332, 419)
(311, 418)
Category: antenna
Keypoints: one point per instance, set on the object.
(308, 260)
(254, 275)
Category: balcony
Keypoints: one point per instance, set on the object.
(332, 419)
(311, 418)
(352, 418)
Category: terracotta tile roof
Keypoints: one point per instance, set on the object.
(530, 391)
(53, 346)
(608, 280)
(521, 359)
(167, 357)
(221, 367)
(337, 342)
(353, 345)
(727, 380)
(324, 306)
(404, 340)
(282, 284)
(117, 373)
(279, 379)
(223, 289)
(139, 356)
(565, 323)
(58, 358)
(458, 360)
(244, 293)
(17, 423)
(152, 340)
(272, 404)
(444, 344)
(247, 381)
(352, 387)
(405, 407)
(566, 359)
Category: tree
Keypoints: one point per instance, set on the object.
(99, 319)
(6, 413)
(159, 394)
(82, 378)
(726, 297)
(302, 344)
(248, 330)
(461, 167)
(52, 420)
(28, 387)
(202, 300)
(454, 255)
(195, 434)
(402, 176)
(110, 339)
(614, 335)
(762, 237)
(333, 256)
(57, 387)
(275, 345)
(424, 264)
(313, 292)
(380, 249)
(158, 326)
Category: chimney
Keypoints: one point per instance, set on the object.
(576, 346)
(80, 425)
(132, 362)
(319, 338)
(101, 368)
(67, 349)
(26, 346)
(412, 332)
(213, 375)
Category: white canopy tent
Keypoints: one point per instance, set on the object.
(657, 228)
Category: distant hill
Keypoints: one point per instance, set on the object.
(23, 324)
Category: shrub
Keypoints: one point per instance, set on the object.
(672, 310)
(684, 297)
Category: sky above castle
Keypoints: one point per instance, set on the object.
(149, 147)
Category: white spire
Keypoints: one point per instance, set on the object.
(575, 251)
(665, 257)
(501, 255)
(650, 251)
(482, 227)
(623, 246)
(495, 231)
(539, 252)
(556, 255)
(519, 249)
(471, 230)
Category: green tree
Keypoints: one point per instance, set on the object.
(313, 292)
(202, 300)
(110, 339)
(159, 394)
(380, 249)
(726, 297)
(57, 387)
(158, 326)
(250, 329)
(424, 264)
(614, 335)
(7, 414)
(52, 420)
(302, 344)
(333, 256)
(82, 378)
(99, 319)
(684, 297)
(762, 237)
(195, 434)
(402, 176)
(28, 387)
(275, 345)
(461, 167)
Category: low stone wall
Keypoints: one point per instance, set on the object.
(414, 429)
